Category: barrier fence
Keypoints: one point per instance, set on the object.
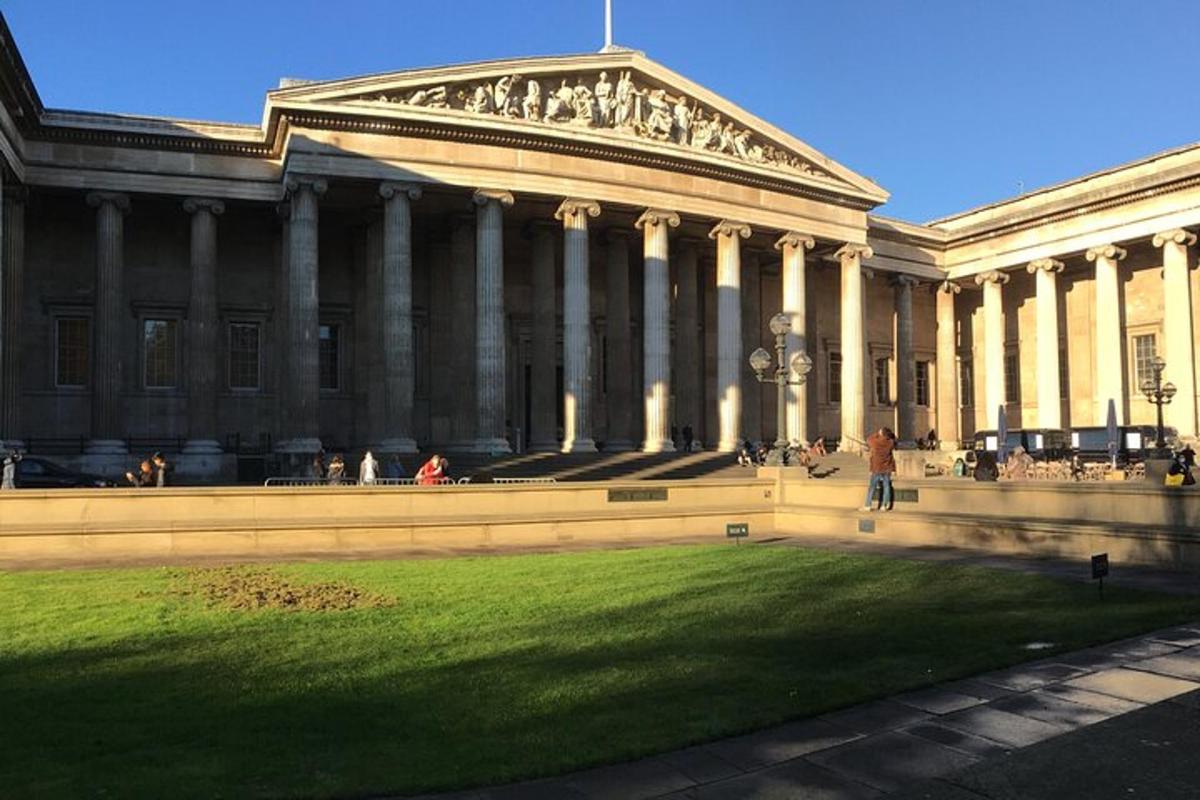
(394, 481)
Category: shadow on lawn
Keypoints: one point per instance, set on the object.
(292, 706)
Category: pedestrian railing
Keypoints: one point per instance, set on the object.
(524, 480)
(355, 482)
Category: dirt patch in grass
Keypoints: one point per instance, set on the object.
(252, 588)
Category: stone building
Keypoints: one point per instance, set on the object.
(559, 253)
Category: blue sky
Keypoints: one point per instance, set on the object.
(947, 104)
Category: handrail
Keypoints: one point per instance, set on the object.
(283, 481)
(524, 480)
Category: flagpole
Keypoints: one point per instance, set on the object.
(607, 24)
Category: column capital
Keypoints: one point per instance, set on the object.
(657, 216)
(389, 189)
(117, 199)
(948, 287)
(194, 204)
(992, 276)
(1109, 251)
(795, 239)
(574, 207)
(851, 250)
(1049, 265)
(1178, 236)
(293, 183)
(905, 281)
(482, 197)
(730, 228)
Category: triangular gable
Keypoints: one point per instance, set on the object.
(620, 98)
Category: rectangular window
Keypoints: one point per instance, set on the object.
(1012, 378)
(966, 383)
(243, 355)
(73, 361)
(160, 351)
(329, 357)
(883, 394)
(1143, 354)
(922, 383)
(835, 377)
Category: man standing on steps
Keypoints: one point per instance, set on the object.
(883, 464)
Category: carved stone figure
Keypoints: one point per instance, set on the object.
(626, 95)
(432, 97)
(604, 101)
(559, 104)
(531, 106)
(479, 100)
(741, 143)
(659, 121)
(582, 101)
(725, 142)
(507, 102)
(683, 120)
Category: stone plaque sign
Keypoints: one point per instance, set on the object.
(866, 526)
(1100, 566)
(737, 530)
(906, 495)
(636, 495)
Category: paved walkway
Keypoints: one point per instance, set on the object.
(1103, 722)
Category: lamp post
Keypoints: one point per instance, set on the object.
(800, 366)
(1158, 394)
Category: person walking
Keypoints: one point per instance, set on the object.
(368, 470)
(9, 479)
(395, 470)
(160, 469)
(337, 471)
(688, 437)
(883, 464)
(316, 470)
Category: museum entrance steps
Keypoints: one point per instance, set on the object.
(596, 466)
(842, 466)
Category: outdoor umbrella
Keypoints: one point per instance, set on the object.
(1001, 436)
(1114, 435)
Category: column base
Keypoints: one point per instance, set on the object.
(848, 445)
(301, 444)
(551, 446)
(106, 447)
(494, 447)
(658, 446)
(618, 446)
(12, 444)
(400, 445)
(728, 446)
(202, 447)
(579, 446)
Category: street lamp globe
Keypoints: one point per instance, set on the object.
(801, 364)
(1158, 363)
(760, 360)
(1169, 390)
(780, 324)
(1148, 387)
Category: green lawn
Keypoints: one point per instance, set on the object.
(479, 670)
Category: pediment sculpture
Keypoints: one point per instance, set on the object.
(592, 100)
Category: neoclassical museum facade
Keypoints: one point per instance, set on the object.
(561, 253)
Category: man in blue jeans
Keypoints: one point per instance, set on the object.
(881, 444)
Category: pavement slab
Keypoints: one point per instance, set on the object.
(938, 700)
(790, 781)
(1102, 702)
(1055, 710)
(954, 738)
(888, 761)
(701, 764)
(1002, 726)
(1184, 664)
(782, 743)
(881, 715)
(649, 777)
(1179, 637)
(1132, 684)
(1032, 676)
(973, 688)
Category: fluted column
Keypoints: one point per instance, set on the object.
(108, 358)
(618, 342)
(490, 372)
(543, 436)
(853, 345)
(1179, 344)
(1109, 375)
(462, 355)
(12, 299)
(729, 331)
(1049, 392)
(947, 372)
(304, 310)
(399, 371)
(577, 331)
(203, 349)
(792, 245)
(906, 384)
(656, 328)
(993, 343)
(689, 345)
(752, 336)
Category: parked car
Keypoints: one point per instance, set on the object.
(40, 473)
(1134, 441)
(1041, 443)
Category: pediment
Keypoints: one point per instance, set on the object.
(617, 98)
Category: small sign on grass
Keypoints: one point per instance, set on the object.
(737, 530)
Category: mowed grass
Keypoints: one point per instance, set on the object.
(490, 669)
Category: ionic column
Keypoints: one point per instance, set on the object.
(793, 244)
(489, 323)
(108, 359)
(399, 371)
(947, 373)
(12, 332)
(543, 436)
(577, 331)
(729, 331)
(203, 349)
(464, 409)
(618, 342)
(853, 345)
(304, 309)
(1109, 375)
(1049, 393)
(656, 329)
(993, 343)
(752, 336)
(688, 342)
(1179, 344)
(906, 383)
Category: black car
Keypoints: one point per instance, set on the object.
(1133, 442)
(38, 473)
(1041, 443)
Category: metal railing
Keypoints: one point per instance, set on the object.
(279, 481)
(524, 480)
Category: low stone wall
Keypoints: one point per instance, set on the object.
(92, 525)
